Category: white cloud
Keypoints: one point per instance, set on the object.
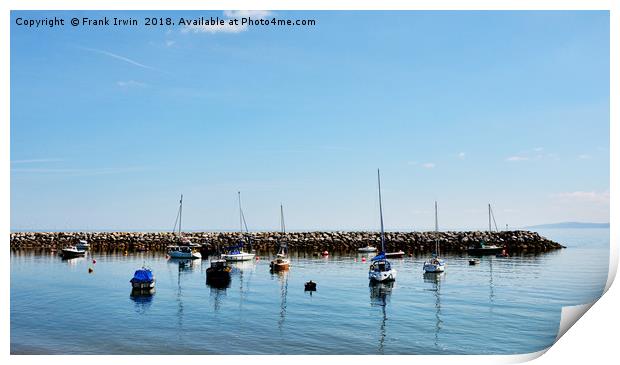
(170, 43)
(227, 27)
(130, 83)
(584, 196)
(517, 158)
(119, 57)
(261, 14)
(428, 165)
(461, 155)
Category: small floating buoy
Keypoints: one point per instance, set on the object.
(310, 286)
(90, 270)
(257, 258)
(363, 259)
(94, 261)
(325, 253)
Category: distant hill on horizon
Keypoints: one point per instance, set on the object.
(571, 225)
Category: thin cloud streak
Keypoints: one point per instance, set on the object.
(37, 160)
(119, 57)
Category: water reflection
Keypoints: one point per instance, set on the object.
(380, 293)
(245, 271)
(218, 294)
(142, 299)
(283, 279)
(435, 280)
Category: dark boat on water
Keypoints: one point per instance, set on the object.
(142, 283)
(218, 273)
(483, 249)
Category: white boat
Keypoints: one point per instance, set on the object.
(72, 251)
(82, 245)
(381, 270)
(236, 253)
(185, 249)
(281, 262)
(368, 248)
(435, 264)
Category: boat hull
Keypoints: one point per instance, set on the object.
(143, 285)
(244, 256)
(395, 255)
(184, 255)
(366, 249)
(72, 253)
(484, 251)
(434, 268)
(382, 276)
(279, 266)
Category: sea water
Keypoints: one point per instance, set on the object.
(500, 306)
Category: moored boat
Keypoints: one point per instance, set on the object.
(482, 248)
(218, 274)
(236, 253)
(143, 280)
(185, 249)
(435, 264)
(474, 261)
(368, 248)
(281, 262)
(395, 255)
(72, 251)
(381, 270)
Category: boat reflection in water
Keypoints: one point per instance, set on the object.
(435, 280)
(380, 293)
(142, 299)
(244, 270)
(282, 277)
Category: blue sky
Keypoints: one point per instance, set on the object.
(110, 125)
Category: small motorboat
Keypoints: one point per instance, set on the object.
(72, 251)
(325, 253)
(503, 254)
(183, 252)
(82, 245)
(474, 261)
(484, 249)
(143, 280)
(434, 265)
(310, 286)
(368, 248)
(218, 273)
(395, 255)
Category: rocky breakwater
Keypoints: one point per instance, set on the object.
(409, 242)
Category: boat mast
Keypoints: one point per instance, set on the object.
(282, 227)
(180, 214)
(240, 214)
(381, 212)
(436, 231)
(489, 217)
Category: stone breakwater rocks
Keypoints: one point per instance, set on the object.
(409, 242)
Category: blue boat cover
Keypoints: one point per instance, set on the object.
(380, 256)
(142, 276)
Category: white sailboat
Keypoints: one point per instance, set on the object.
(381, 270)
(281, 262)
(236, 253)
(435, 264)
(185, 249)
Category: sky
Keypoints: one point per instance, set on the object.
(110, 125)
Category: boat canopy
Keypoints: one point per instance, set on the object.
(380, 256)
(142, 276)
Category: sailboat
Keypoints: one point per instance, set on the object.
(185, 249)
(281, 262)
(381, 269)
(235, 253)
(435, 264)
(482, 248)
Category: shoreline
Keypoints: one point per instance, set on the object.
(317, 241)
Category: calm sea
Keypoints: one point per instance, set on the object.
(501, 306)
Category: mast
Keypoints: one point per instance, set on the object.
(240, 213)
(282, 227)
(489, 217)
(436, 231)
(180, 214)
(381, 212)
